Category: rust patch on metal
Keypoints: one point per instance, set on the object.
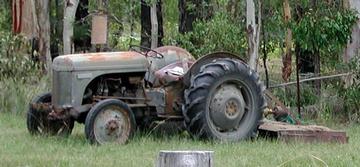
(128, 55)
(114, 55)
(41, 107)
(67, 61)
(178, 51)
(305, 133)
(96, 58)
(173, 99)
(164, 75)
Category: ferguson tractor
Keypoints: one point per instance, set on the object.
(217, 96)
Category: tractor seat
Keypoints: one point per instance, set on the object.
(171, 73)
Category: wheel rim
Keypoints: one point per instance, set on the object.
(229, 107)
(112, 125)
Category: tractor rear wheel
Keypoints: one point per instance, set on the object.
(224, 102)
(38, 122)
(110, 121)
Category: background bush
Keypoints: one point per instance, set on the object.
(220, 33)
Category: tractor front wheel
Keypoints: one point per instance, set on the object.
(38, 122)
(224, 102)
(110, 121)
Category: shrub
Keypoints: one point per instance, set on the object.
(217, 34)
(15, 96)
(15, 60)
(351, 94)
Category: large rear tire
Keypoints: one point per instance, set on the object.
(39, 124)
(110, 121)
(224, 102)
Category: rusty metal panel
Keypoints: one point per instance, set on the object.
(99, 29)
(305, 133)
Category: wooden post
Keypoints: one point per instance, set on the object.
(185, 159)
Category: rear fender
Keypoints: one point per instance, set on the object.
(195, 68)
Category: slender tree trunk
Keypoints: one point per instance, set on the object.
(154, 26)
(317, 63)
(187, 16)
(286, 70)
(159, 15)
(56, 29)
(83, 43)
(68, 30)
(43, 22)
(265, 52)
(253, 32)
(146, 23)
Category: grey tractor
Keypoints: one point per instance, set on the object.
(115, 93)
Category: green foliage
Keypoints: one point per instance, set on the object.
(218, 34)
(18, 148)
(171, 12)
(124, 27)
(351, 94)
(273, 25)
(15, 96)
(324, 29)
(15, 62)
(5, 16)
(288, 96)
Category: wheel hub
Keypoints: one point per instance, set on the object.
(227, 107)
(231, 108)
(110, 126)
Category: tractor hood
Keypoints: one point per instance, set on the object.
(126, 61)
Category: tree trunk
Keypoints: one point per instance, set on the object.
(265, 52)
(56, 29)
(306, 58)
(187, 17)
(83, 42)
(317, 65)
(353, 47)
(146, 24)
(253, 32)
(68, 30)
(43, 25)
(286, 70)
(154, 26)
(159, 15)
(199, 10)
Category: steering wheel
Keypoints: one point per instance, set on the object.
(148, 50)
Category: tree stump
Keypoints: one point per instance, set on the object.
(185, 159)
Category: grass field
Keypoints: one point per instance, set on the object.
(19, 148)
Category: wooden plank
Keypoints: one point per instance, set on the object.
(305, 133)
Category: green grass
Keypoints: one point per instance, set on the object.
(19, 148)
